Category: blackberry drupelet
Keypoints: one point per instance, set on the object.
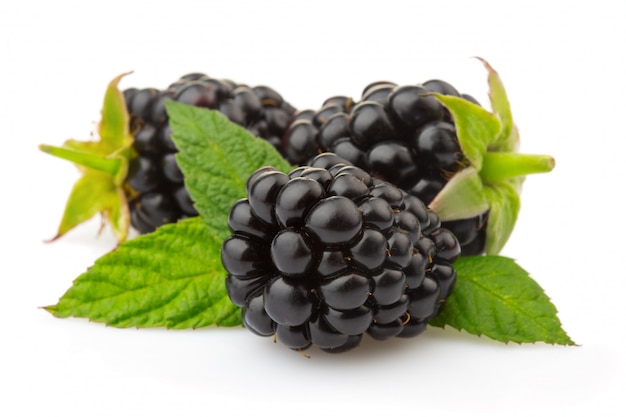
(396, 133)
(158, 193)
(327, 253)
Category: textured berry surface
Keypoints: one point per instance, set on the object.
(261, 110)
(327, 253)
(396, 133)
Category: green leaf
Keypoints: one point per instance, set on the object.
(494, 297)
(170, 278)
(216, 157)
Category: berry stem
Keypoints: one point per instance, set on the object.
(498, 166)
(99, 163)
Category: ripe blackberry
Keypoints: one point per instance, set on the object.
(326, 253)
(159, 195)
(396, 133)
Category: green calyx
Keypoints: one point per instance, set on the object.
(104, 166)
(494, 172)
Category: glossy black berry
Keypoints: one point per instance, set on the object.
(335, 220)
(411, 108)
(293, 253)
(398, 133)
(370, 124)
(261, 110)
(438, 148)
(327, 253)
(152, 208)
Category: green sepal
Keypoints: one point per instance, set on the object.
(103, 164)
(94, 193)
(493, 171)
(115, 166)
(114, 127)
(463, 196)
(476, 128)
(508, 137)
(504, 206)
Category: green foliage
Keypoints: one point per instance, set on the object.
(217, 157)
(494, 297)
(170, 278)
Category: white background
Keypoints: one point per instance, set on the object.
(563, 64)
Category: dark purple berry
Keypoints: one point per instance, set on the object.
(300, 142)
(244, 257)
(287, 303)
(392, 162)
(369, 124)
(261, 110)
(335, 254)
(292, 253)
(399, 133)
(335, 220)
(441, 87)
(143, 174)
(410, 108)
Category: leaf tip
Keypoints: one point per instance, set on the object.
(486, 64)
(53, 239)
(117, 79)
(52, 309)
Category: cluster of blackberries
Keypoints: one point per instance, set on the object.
(158, 192)
(326, 253)
(397, 133)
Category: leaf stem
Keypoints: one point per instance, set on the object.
(498, 166)
(99, 163)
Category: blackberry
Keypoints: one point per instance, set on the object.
(327, 253)
(396, 133)
(158, 192)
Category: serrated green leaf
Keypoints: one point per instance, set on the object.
(494, 297)
(216, 157)
(504, 206)
(168, 278)
(476, 128)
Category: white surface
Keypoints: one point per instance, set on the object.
(563, 64)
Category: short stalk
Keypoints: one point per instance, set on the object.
(499, 166)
